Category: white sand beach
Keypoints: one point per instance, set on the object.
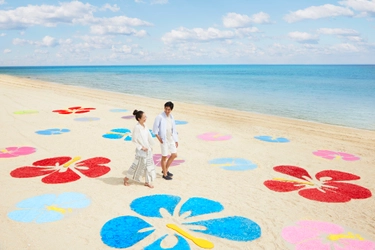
(241, 191)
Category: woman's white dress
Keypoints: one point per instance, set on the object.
(143, 164)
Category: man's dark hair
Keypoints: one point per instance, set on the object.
(169, 104)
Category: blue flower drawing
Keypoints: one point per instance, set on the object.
(184, 224)
(118, 110)
(233, 164)
(179, 122)
(119, 133)
(53, 131)
(271, 139)
(48, 207)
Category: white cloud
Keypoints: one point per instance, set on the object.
(234, 20)
(303, 37)
(123, 49)
(246, 31)
(113, 8)
(364, 6)
(197, 35)
(337, 31)
(2, 2)
(2, 34)
(317, 12)
(344, 48)
(74, 12)
(6, 51)
(118, 25)
(47, 41)
(45, 15)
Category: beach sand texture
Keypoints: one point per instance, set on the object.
(245, 194)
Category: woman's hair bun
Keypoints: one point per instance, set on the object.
(135, 112)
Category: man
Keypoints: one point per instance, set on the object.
(165, 130)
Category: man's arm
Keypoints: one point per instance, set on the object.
(156, 128)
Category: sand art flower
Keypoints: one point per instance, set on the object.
(53, 131)
(48, 207)
(118, 110)
(119, 133)
(213, 136)
(25, 112)
(312, 235)
(157, 160)
(73, 110)
(10, 152)
(182, 224)
(179, 122)
(327, 187)
(330, 155)
(268, 138)
(128, 117)
(233, 164)
(63, 169)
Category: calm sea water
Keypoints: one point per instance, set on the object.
(335, 94)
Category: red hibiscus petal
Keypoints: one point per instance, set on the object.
(89, 108)
(351, 190)
(282, 186)
(337, 175)
(74, 108)
(27, 172)
(53, 161)
(93, 167)
(293, 171)
(323, 196)
(61, 177)
(63, 112)
(82, 111)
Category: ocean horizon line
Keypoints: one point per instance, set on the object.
(209, 64)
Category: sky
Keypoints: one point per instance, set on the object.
(152, 32)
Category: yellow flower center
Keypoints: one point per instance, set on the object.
(349, 235)
(299, 182)
(77, 158)
(198, 241)
(4, 150)
(58, 209)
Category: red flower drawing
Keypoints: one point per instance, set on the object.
(73, 110)
(63, 169)
(327, 187)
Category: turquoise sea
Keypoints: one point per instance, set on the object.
(334, 94)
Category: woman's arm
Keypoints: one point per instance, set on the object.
(136, 137)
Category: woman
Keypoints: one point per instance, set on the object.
(143, 164)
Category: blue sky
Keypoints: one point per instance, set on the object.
(123, 32)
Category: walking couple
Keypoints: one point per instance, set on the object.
(165, 130)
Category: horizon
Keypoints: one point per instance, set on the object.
(169, 32)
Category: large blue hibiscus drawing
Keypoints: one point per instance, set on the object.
(184, 222)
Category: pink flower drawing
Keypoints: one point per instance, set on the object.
(319, 235)
(330, 155)
(157, 161)
(10, 152)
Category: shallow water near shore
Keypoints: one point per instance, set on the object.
(334, 94)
